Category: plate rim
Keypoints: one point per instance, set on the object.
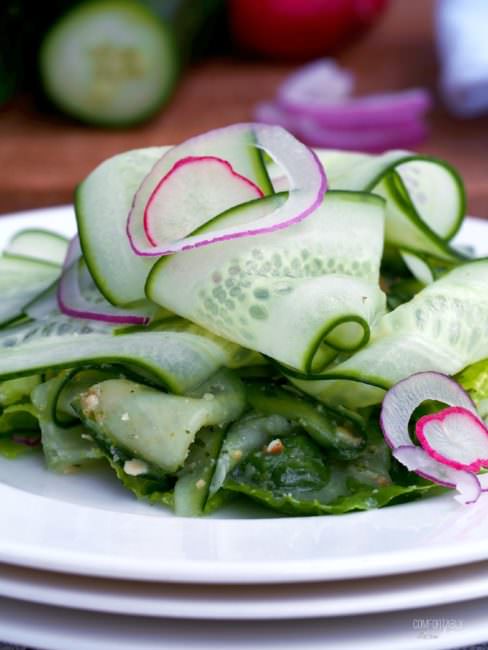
(376, 595)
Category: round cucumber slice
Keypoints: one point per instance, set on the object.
(109, 62)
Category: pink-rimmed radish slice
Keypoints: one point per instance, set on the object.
(455, 437)
(405, 396)
(398, 405)
(318, 83)
(418, 460)
(372, 139)
(241, 142)
(202, 186)
(73, 302)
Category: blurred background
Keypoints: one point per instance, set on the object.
(89, 79)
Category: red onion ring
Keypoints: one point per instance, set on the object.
(305, 173)
(28, 441)
(72, 302)
(316, 104)
(372, 140)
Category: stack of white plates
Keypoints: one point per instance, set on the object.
(85, 566)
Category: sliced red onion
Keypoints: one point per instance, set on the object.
(380, 110)
(398, 405)
(455, 437)
(372, 139)
(322, 90)
(318, 83)
(315, 103)
(305, 174)
(28, 441)
(73, 302)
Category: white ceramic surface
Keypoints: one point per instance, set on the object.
(88, 524)
(247, 602)
(438, 628)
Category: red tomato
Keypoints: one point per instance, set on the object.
(300, 29)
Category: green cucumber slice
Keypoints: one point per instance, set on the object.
(104, 199)
(21, 280)
(425, 196)
(156, 428)
(238, 357)
(343, 438)
(109, 62)
(13, 391)
(248, 434)
(192, 487)
(287, 293)
(77, 381)
(229, 158)
(177, 361)
(443, 328)
(38, 244)
(41, 331)
(64, 449)
(418, 266)
(102, 204)
(19, 418)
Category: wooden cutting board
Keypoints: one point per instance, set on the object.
(43, 157)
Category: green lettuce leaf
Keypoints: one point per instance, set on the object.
(302, 481)
(474, 379)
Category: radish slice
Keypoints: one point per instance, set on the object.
(417, 460)
(398, 405)
(190, 188)
(305, 175)
(372, 139)
(455, 437)
(73, 302)
(400, 402)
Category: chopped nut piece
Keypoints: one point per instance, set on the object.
(135, 467)
(209, 396)
(275, 447)
(200, 484)
(124, 417)
(236, 454)
(89, 402)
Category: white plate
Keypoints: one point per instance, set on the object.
(88, 524)
(247, 602)
(40, 626)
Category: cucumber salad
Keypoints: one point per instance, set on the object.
(240, 317)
